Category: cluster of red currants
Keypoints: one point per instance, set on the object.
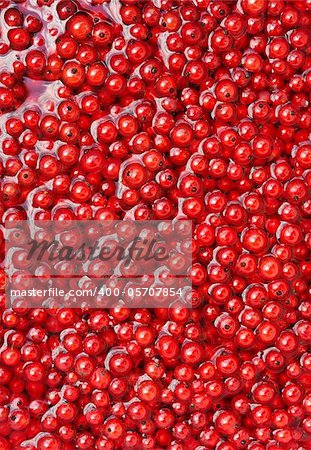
(163, 109)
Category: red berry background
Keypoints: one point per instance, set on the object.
(154, 110)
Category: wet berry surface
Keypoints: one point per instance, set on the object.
(158, 110)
